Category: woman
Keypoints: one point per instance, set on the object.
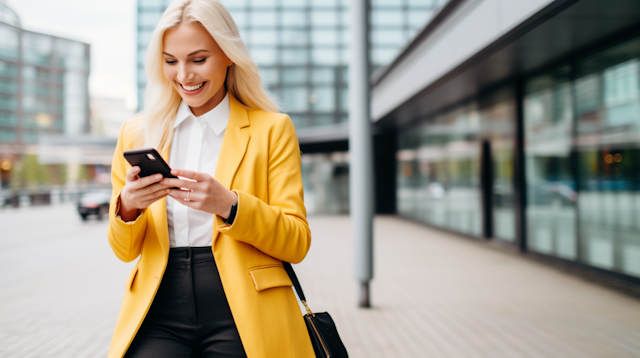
(210, 280)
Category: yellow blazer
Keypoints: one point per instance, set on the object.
(260, 161)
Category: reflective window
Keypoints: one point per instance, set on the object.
(263, 56)
(323, 99)
(267, 38)
(551, 189)
(8, 70)
(324, 18)
(324, 37)
(37, 49)
(263, 18)
(383, 18)
(325, 177)
(498, 118)
(383, 55)
(419, 18)
(323, 3)
(293, 3)
(438, 171)
(262, 3)
(294, 38)
(323, 75)
(325, 56)
(295, 98)
(294, 75)
(388, 37)
(608, 120)
(293, 18)
(269, 76)
(294, 56)
(234, 4)
(72, 55)
(149, 19)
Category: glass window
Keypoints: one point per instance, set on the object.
(294, 38)
(388, 37)
(264, 38)
(37, 49)
(264, 56)
(324, 37)
(498, 117)
(8, 119)
(325, 56)
(239, 18)
(344, 37)
(263, 18)
(294, 56)
(345, 18)
(262, 3)
(323, 75)
(294, 75)
(324, 3)
(234, 4)
(386, 18)
(288, 4)
(382, 56)
(295, 98)
(9, 39)
(323, 99)
(8, 136)
(608, 119)
(269, 76)
(386, 3)
(144, 37)
(8, 103)
(344, 99)
(8, 70)
(8, 86)
(419, 18)
(150, 4)
(321, 18)
(292, 18)
(149, 19)
(72, 55)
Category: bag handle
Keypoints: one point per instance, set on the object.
(296, 285)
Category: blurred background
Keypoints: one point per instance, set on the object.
(516, 123)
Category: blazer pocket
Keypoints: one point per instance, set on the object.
(269, 277)
(131, 278)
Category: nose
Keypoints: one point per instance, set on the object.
(184, 74)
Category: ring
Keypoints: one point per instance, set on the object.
(187, 198)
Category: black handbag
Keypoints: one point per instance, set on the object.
(322, 331)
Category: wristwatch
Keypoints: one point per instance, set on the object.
(232, 214)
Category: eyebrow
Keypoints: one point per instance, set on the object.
(191, 54)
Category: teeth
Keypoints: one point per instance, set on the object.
(192, 88)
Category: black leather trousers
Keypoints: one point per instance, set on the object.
(190, 316)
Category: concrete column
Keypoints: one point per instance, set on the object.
(360, 149)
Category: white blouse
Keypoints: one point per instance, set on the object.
(196, 146)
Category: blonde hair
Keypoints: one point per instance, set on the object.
(161, 100)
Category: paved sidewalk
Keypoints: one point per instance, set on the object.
(434, 295)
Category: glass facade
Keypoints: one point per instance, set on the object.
(581, 127)
(43, 85)
(302, 47)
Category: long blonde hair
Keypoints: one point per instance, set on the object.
(161, 101)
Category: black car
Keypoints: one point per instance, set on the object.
(94, 203)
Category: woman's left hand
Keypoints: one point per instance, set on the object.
(207, 194)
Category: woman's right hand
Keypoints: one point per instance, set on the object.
(138, 193)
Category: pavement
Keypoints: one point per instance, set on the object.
(434, 294)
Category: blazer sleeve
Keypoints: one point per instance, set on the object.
(125, 238)
(278, 228)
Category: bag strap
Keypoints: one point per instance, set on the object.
(296, 285)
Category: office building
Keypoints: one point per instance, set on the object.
(519, 122)
(43, 86)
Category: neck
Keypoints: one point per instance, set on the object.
(210, 104)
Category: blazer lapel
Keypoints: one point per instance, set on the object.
(234, 143)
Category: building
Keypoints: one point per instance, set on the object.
(519, 122)
(43, 88)
(301, 48)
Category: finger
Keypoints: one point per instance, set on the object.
(132, 173)
(148, 180)
(179, 196)
(155, 196)
(180, 183)
(141, 193)
(190, 174)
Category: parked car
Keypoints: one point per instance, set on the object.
(94, 203)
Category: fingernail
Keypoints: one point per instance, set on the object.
(158, 176)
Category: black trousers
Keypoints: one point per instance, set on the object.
(190, 316)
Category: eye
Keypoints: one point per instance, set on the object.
(200, 61)
(170, 62)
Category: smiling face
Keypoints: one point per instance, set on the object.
(196, 66)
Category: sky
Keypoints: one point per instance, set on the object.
(107, 25)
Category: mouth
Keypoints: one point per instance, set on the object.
(192, 89)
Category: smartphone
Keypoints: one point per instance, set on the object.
(149, 161)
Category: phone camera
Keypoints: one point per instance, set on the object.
(151, 157)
